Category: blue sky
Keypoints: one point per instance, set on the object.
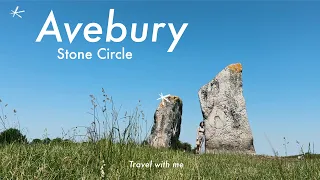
(278, 44)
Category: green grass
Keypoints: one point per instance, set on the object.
(102, 159)
(85, 160)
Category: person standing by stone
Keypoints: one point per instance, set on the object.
(200, 137)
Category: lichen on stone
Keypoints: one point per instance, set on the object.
(174, 98)
(235, 67)
(161, 104)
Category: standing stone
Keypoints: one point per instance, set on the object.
(167, 121)
(224, 112)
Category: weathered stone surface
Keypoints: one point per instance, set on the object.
(224, 112)
(167, 122)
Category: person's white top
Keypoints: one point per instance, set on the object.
(200, 130)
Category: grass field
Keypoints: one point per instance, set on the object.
(105, 160)
(99, 158)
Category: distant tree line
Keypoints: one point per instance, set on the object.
(13, 135)
(184, 146)
(49, 141)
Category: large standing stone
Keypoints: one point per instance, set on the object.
(167, 121)
(224, 112)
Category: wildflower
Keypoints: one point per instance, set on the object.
(102, 170)
(301, 157)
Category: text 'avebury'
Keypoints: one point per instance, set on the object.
(92, 32)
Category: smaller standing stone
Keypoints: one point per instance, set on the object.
(167, 122)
